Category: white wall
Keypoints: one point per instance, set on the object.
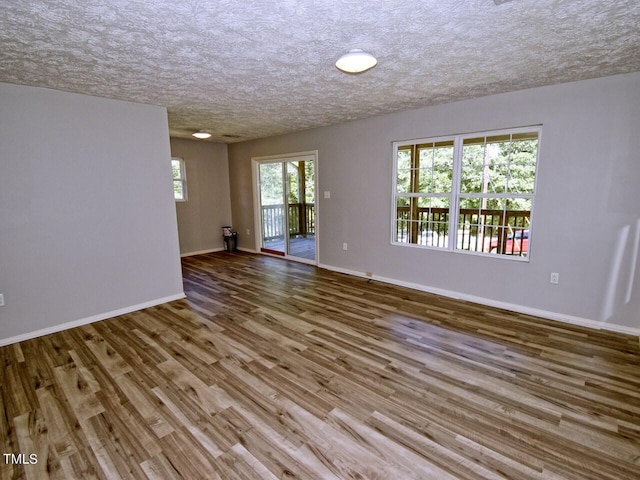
(87, 216)
(208, 205)
(586, 216)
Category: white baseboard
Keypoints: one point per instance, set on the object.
(85, 321)
(560, 317)
(249, 250)
(202, 252)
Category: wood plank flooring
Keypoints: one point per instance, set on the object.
(275, 369)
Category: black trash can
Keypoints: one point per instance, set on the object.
(230, 239)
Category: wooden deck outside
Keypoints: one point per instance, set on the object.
(301, 247)
(276, 369)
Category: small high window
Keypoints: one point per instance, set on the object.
(179, 179)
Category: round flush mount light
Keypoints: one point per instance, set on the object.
(202, 135)
(356, 61)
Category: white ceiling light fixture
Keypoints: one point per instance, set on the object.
(356, 61)
(201, 134)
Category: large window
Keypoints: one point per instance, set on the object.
(179, 179)
(470, 193)
(423, 192)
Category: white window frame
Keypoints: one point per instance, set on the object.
(455, 195)
(182, 179)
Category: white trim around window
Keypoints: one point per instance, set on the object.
(179, 171)
(469, 193)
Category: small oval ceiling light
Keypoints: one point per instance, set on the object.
(201, 134)
(356, 61)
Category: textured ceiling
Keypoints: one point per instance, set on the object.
(257, 68)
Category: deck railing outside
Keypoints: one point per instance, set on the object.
(478, 230)
(302, 220)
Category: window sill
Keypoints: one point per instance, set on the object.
(513, 258)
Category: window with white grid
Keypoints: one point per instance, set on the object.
(178, 168)
(468, 193)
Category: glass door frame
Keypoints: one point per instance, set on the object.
(255, 170)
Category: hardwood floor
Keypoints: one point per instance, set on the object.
(275, 369)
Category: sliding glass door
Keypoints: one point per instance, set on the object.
(272, 194)
(300, 189)
(287, 206)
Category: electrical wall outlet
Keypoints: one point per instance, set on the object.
(1, 299)
(344, 246)
(248, 232)
(554, 278)
(327, 194)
